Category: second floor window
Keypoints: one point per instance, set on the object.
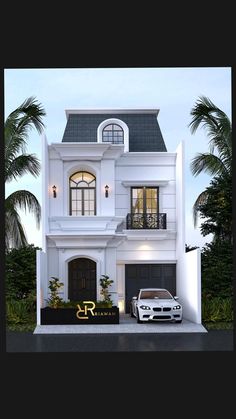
(113, 133)
(82, 194)
(144, 200)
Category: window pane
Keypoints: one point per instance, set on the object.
(92, 184)
(73, 184)
(82, 184)
(91, 194)
(73, 194)
(108, 128)
(77, 177)
(91, 205)
(86, 194)
(79, 194)
(87, 177)
(73, 205)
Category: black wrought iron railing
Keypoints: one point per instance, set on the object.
(146, 221)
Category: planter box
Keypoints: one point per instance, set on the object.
(53, 316)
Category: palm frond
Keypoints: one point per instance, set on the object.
(201, 199)
(25, 200)
(209, 163)
(14, 231)
(25, 163)
(32, 112)
(207, 113)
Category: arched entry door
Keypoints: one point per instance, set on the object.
(82, 280)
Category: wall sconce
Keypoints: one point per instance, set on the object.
(54, 190)
(106, 191)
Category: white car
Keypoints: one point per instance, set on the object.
(155, 304)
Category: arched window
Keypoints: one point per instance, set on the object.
(82, 194)
(113, 133)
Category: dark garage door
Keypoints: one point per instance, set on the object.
(148, 276)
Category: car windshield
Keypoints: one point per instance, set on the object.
(151, 294)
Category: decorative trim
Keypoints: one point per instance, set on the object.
(128, 183)
(149, 234)
(111, 111)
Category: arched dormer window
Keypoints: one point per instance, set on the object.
(82, 194)
(113, 131)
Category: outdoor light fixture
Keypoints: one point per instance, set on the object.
(106, 191)
(54, 190)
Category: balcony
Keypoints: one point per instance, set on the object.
(146, 221)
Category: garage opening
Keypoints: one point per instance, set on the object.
(148, 276)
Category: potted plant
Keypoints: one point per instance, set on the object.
(80, 312)
(54, 286)
(105, 282)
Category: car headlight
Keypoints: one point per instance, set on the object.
(145, 308)
(178, 307)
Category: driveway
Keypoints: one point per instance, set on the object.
(126, 325)
(214, 340)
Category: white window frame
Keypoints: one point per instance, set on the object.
(116, 121)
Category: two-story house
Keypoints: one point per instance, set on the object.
(113, 204)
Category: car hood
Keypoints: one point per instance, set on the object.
(158, 303)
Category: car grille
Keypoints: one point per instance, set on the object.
(161, 317)
(160, 309)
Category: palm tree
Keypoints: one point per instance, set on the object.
(17, 163)
(219, 132)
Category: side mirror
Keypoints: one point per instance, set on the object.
(176, 298)
(134, 298)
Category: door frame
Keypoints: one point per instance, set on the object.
(64, 272)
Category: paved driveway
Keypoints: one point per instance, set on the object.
(214, 340)
(127, 325)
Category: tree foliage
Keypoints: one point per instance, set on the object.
(217, 210)
(217, 269)
(20, 272)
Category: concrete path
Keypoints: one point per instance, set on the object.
(127, 325)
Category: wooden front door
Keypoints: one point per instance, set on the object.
(82, 280)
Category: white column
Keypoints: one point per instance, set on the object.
(107, 178)
(111, 272)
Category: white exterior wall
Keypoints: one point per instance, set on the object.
(190, 287)
(95, 237)
(180, 220)
(41, 274)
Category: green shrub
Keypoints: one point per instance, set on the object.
(54, 300)
(217, 309)
(18, 311)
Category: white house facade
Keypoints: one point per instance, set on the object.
(113, 204)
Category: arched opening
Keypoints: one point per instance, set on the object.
(82, 194)
(82, 274)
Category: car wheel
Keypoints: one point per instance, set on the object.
(131, 312)
(178, 321)
(138, 318)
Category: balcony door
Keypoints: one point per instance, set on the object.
(144, 207)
